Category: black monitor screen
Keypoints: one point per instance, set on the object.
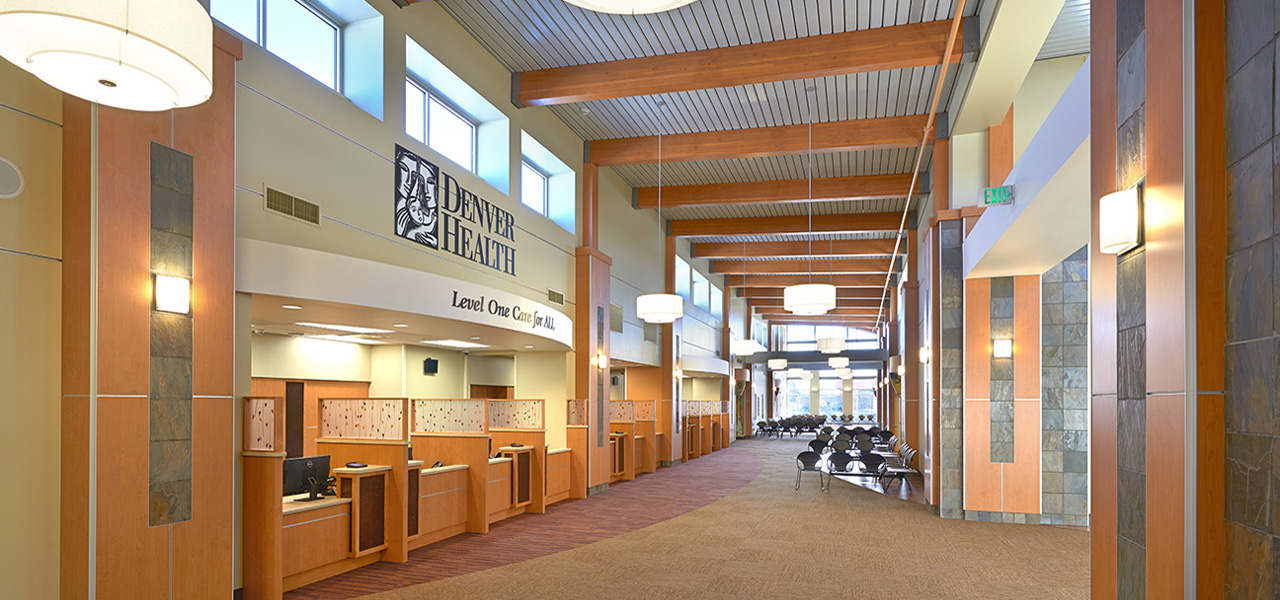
(297, 472)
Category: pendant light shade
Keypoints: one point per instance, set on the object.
(659, 308)
(777, 364)
(809, 299)
(838, 362)
(831, 345)
(147, 55)
(845, 373)
(630, 7)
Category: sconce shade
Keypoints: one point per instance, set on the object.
(1002, 348)
(1119, 221)
(172, 294)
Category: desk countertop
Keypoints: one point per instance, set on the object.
(442, 469)
(415, 463)
(291, 507)
(361, 470)
(557, 450)
(498, 461)
(515, 448)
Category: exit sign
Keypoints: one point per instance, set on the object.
(997, 195)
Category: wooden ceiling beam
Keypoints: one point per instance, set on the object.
(794, 224)
(767, 303)
(864, 187)
(835, 312)
(730, 250)
(782, 140)
(840, 281)
(841, 293)
(861, 51)
(818, 265)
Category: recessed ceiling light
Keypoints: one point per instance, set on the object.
(344, 328)
(454, 344)
(401, 325)
(291, 306)
(528, 347)
(475, 337)
(343, 338)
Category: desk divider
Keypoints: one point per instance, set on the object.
(646, 434)
(577, 438)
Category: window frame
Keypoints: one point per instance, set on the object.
(431, 94)
(320, 13)
(546, 185)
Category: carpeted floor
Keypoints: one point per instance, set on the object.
(767, 540)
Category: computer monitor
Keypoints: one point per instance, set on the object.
(306, 474)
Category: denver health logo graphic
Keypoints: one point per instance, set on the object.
(433, 210)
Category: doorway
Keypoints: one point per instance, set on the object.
(493, 392)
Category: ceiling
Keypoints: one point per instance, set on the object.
(527, 35)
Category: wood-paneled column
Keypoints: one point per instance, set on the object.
(147, 407)
(910, 428)
(671, 415)
(591, 332)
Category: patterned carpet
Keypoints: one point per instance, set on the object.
(767, 540)
(625, 507)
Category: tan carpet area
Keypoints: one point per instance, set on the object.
(768, 540)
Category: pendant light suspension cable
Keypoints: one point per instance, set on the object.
(661, 307)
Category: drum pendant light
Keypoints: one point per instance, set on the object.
(630, 7)
(659, 308)
(147, 55)
(809, 299)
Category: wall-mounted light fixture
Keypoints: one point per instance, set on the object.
(777, 364)
(925, 355)
(902, 370)
(1002, 348)
(171, 294)
(1120, 221)
(600, 360)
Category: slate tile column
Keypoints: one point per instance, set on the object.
(170, 396)
(1252, 150)
(1001, 371)
(1064, 391)
(951, 373)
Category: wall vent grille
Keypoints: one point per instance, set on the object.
(555, 297)
(285, 204)
(651, 332)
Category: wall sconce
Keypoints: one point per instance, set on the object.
(925, 355)
(171, 294)
(600, 360)
(678, 373)
(1002, 348)
(1120, 221)
(902, 370)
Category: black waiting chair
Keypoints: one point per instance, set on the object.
(840, 446)
(839, 463)
(873, 464)
(901, 472)
(809, 461)
(818, 446)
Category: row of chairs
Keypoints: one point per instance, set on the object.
(838, 457)
(793, 425)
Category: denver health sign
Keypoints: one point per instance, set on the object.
(433, 210)
(293, 272)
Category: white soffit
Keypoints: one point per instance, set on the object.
(1049, 217)
(1012, 42)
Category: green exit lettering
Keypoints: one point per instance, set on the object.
(997, 195)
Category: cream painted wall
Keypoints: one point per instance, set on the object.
(449, 380)
(1040, 92)
(705, 389)
(630, 238)
(491, 370)
(387, 371)
(30, 338)
(306, 358)
(298, 136)
(549, 376)
(618, 391)
(968, 168)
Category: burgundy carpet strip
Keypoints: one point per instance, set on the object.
(624, 507)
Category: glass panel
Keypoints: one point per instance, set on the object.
(682, 278)
(303, 39)
(864, 403)
(415, 111)
(701, 291)
(830, 396)
(796, 401)
(717, 303)
(533, 188)
(240, 15)
(450, 134)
